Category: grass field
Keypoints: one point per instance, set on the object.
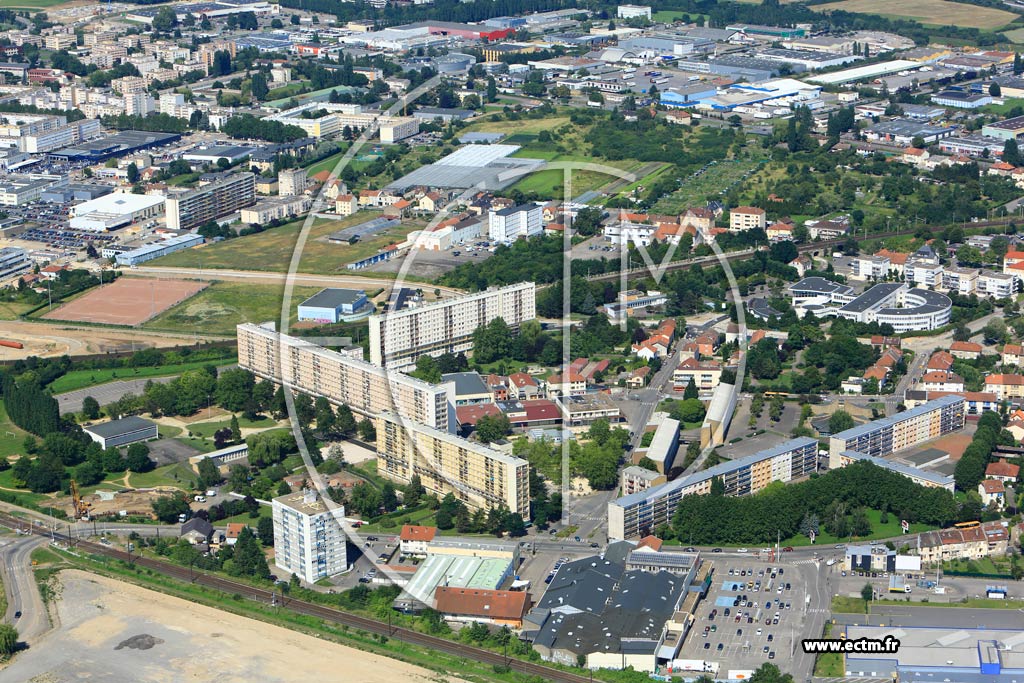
(272, 250)
(935, 12)
(10, 310)
(846, 605)
(221, 306)
(207, 429)
(11, 436)
(178, 475)
(890, 529)
(696, 191)
(80, 379)
(1016, 35)
(829, 665)
(490, 125)
(30, 4)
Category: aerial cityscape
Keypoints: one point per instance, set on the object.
(463, 341)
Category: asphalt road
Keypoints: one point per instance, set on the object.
(20, 587)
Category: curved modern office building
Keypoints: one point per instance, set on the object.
(904, 307)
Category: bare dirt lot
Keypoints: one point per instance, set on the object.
(127, 301)
(117, 632)
(46, 339)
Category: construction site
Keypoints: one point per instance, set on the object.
(108, 503)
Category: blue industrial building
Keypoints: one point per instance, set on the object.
(333, 305)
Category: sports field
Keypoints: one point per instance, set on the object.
(127, 301)
(937, 12)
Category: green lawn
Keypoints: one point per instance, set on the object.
(11, 436)
(80, 379)
(829, 665)
(272, 249)
(847, 605)
(668, 16)
(244, 518)
(223, 305)
(30, 4)
(890, 529)
(178, 475)
(718, 177)
(206, 429)
(10, 310)
(35, 499)
(985, 565)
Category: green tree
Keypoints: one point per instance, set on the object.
(133, 173)
(427, 369)
(490, 428)
(345, 421)
(209, 475)
(367, 432)
(165, 19)
(247, 558)
(8, 639)
(691, 390)
(867, 594)
(236, 431)
(648, 464)
(258, 86)
(265, 531)
(840, 421)
(90, 408)
(137, 458)
(168, 508)
(413, 491)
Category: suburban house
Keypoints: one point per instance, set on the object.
(1003, 471)
(967, 350)
(992, 492)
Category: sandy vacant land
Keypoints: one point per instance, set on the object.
(46, 339)
(119, 633)
(127, 301)
(940, 12)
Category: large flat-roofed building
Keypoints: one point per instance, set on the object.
(18, 189)
(309, 537)
(903, 430)
(122, 432)
(115, 210)
(365, 388)
(191, 209)
(148, 252)
(13, 261)
(332, 305)
(479, 476)
(1007, 129)
(924, 653)
(327, 119)
(915, 474)
(641, 512)
(509, 224)
(905, 308)
(398, 339)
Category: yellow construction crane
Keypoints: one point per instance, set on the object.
(81, 508)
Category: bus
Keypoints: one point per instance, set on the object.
(968, 525)
(771, 394)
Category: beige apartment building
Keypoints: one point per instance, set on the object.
(747, 218)
(397, 339)
(365, 388)
(189, 210)
(479, 476)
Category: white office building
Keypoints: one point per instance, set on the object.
(398, 338)
(116, 210)
(525, 220)
(309, 539)
(13, 261)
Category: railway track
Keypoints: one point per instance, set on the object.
(329, 614)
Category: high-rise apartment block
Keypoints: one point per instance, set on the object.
(479, 476)
(309, 539)
(903, 430)
(291, 181)
(189, 210)
(365, 388)
(397, 339)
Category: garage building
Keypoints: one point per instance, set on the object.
(122, 432)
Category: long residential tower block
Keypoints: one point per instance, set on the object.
(365, 388)
(642, 512)
(903, 430)
(189, 210)
(479, 476)
(397, 339)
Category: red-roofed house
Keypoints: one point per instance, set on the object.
(469, 415)
(523, 387)
(573, 384)
(942, 380)
(992, 492)
(1013, 354)
(968, 350)
(1005, 386)
(232, 532)
(502, 608)
(529, 414)
(414, 540)
(1002, 471)
(638, 378)
(705, 374)
(649, 541)
(940, 360)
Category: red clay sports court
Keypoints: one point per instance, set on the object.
(127, 301)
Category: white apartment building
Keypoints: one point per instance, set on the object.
(963, 281)
(291, 181)
(309, 537)
(996, 285)
(747, 218)
(365, 388)
(390, 128)
(927, 274)
(173, 104)
(276, 208)
(398, 338)
(41, 133)
(479, 476)
(876, 267)
(138, 104)
(525, 220)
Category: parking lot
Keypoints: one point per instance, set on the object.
(749, 615)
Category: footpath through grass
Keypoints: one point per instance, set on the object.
(844, 604)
